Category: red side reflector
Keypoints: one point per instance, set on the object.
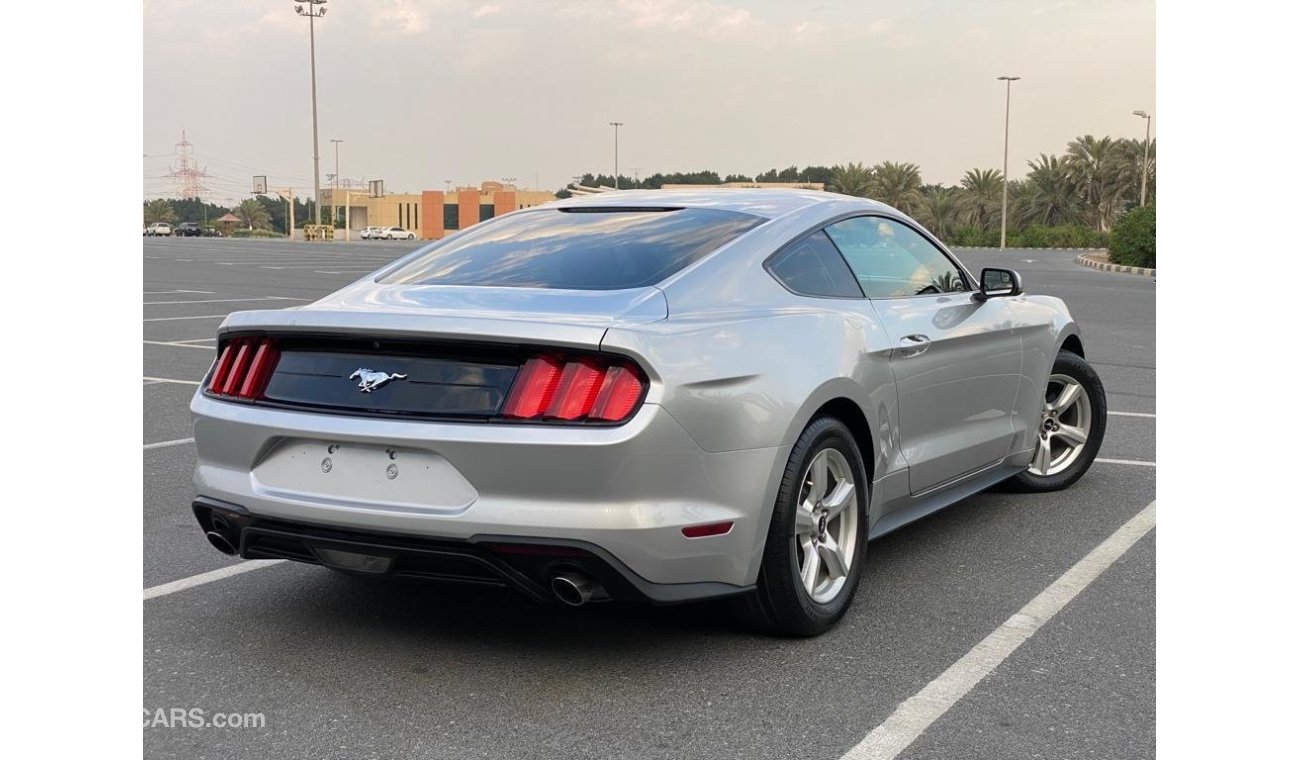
(579, 384)
(222, 369)
(534, 387)
(618, 395)
(712, 529)
(259, 372)
(243, 355)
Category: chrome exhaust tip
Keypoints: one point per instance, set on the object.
(220, 543)
(576, 589)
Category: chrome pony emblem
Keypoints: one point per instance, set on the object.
(371, 380)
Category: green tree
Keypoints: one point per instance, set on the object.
(979, 201)
(158, 210)
(1047, 195)
(1133, 242)
(253, 215)
(898, 185)
(851, 179)
(938, 212)
(1095, 166)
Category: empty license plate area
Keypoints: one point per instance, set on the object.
(363, 475)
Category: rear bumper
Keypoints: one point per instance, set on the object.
(622, 494)
(523, 564)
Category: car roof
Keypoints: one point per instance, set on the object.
(765, 202)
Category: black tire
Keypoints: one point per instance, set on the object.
(1073, 366)
(780, 605)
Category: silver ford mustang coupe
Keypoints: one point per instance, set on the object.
(660, 395)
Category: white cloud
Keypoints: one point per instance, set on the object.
(880, 26)
(399, 16)
(680, 15)
(486, 10)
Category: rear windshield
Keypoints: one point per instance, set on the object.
(587, 249)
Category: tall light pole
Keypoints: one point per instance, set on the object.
(1006, 142)
(616, 125)
(313, 9)
(1146, 155)
(334, 201)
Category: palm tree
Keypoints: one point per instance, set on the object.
(1048, 195)
(1095, 167)
(938, 211)
(854, 179)
(899, 185)
(252, 214)
(1130, 170)
(158, 210)
(979, 201)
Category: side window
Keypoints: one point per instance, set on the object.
(812, 267)
(891, 259)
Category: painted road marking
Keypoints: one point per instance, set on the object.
(198, 580)
(1134, 462)
(169, 380)
(224, 300)
(919, 712)
(178, 344)
(165, 444)
(175, 319)
(1130, 414)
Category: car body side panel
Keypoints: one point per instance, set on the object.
(1044, 323)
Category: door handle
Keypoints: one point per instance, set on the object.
(914, 345)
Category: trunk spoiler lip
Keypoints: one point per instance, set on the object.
(417, 326)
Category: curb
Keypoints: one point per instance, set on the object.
(1095, 262)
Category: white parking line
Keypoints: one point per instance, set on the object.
(165, 444)
(1134, 462)
(175, 319)
(1130, 414)
(169, 380)
(177, 344)
(198, 580)
(224, 300)
(919, 712)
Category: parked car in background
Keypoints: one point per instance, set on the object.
(396, 233)
(662, 396)
(189, 229)
(158, 229)
(371, 233)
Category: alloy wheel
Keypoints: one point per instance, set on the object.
(826, 525)
(1064, 427)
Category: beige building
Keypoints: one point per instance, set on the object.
(431, 214)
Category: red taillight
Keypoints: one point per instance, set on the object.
(533, 388)
(561, 389)
(243, 368)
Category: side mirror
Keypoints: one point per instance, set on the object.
(998, 283)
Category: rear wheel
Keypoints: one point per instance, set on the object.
(817, 539)
(1071, 427)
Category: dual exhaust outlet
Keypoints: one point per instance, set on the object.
(221, 536)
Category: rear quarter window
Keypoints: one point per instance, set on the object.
(577, 249)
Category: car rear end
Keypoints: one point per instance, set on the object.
(473, 433)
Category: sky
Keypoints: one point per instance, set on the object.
(425, 91)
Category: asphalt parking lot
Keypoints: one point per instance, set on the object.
(347, 667)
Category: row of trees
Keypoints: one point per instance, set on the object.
(1083, 191)
(259, 213)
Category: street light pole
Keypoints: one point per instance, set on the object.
(616, 125)
(1006, 142)
(334, 201)
(1146, 155)
(313, 9)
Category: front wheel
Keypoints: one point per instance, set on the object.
(1071, 427)
(817, 540)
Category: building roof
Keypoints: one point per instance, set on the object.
(767, 202)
